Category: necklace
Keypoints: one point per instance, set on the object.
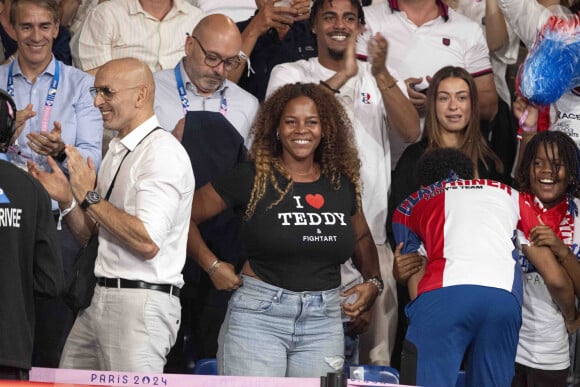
(313, 170)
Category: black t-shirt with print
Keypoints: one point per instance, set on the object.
(300, 243)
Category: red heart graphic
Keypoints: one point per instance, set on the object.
(316, 201)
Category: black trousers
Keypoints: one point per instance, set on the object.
(532, 377)
(53, 318)
(12, 373)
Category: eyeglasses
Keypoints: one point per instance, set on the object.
(106, 92)
(214, 60)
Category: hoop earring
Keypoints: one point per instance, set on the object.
(277, 135)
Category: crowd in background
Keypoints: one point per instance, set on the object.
(242, 163)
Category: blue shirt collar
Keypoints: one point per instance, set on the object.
(48, 70)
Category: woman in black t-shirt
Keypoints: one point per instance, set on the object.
(300, 203)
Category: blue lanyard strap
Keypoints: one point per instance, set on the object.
(183, 93)
(181, 89)
(50, 96)
(223, 103)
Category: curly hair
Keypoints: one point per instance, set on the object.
(438, 164)
(567, 152)
(473, 143)
(336, 154)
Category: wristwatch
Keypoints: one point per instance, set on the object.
(61, 156)
(92, 197)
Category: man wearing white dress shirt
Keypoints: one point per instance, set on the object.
(149, 30)
(139, 206)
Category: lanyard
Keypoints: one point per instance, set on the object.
(183, 94)
(50, 96)
(181, 89)
(223, 103)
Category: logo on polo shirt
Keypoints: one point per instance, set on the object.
(365, 98)
(446, 41)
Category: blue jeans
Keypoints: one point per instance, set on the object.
(269, 331)
(351, 350)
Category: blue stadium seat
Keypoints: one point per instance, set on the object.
(205, 367)
(373, 373)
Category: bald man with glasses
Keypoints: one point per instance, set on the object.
(219, 116)
(198, 82)
(139, 207)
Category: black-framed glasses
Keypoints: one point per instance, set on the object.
(214, 60)
(106, 92)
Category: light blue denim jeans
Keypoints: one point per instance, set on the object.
(270, 331)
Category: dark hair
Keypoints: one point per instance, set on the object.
(439, 164)
(474, 144)
(567, 152)
(336, 154)
(7, 119)
(49, 5)
(317, 4)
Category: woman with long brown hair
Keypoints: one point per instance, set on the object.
(451, 121)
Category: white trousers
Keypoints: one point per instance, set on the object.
(130, 330)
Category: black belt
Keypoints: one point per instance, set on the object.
(128, 284)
